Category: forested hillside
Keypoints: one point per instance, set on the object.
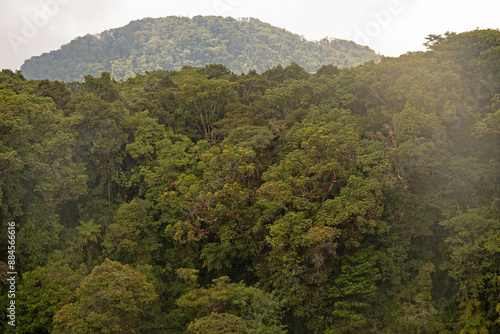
(173, 42)
(358, 200)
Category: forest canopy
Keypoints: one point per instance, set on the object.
(200, 200)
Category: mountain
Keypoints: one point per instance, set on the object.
(173, 42)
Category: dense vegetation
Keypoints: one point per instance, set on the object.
(362, 200)
(173, 42)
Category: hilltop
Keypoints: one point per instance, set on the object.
(170, 43)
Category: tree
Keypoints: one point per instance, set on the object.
(38, 171)
(133, 237)
(56, 90)
(233, 307)
(416, 312)
(206, 101)
(216, 323)
(42, 293)
(291, 99)
(217, 200)
(216, 71)
(105, 87)
(321, 199)
(353, 291)
(88, 233)
(474, 262)
(328, 70)
(109, 300)
(97, 124)
(490, 125)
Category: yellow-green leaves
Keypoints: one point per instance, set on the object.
(110, 299)
(232, 308)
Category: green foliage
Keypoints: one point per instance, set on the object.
(42, 293)
(234, 307)
(38, 171)
(216, 201)
(216, 323)
(174, 42)
(352, 291)
(417, 312)
(133, 238)
(56, 90)
(474, 262)
(205, 102)
(109, 300)
(104, 87)
(88, 233)
(361, 200)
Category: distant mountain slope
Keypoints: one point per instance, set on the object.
(172, 42)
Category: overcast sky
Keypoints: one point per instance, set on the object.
(390, 27)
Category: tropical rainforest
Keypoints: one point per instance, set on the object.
(200, 200)
(170, 43)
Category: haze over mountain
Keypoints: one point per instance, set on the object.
(173, 42)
